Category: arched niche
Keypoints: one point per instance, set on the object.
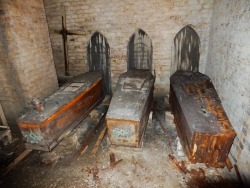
(140, 51)
(99, 58)
(186, 50)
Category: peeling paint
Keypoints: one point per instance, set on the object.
(31, 137)
(121, 134)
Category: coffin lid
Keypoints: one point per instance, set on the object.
(132, 91)
(200, 103)
(62, 97)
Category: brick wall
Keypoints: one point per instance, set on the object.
(117, 21)
(26, 69)
(229, 68)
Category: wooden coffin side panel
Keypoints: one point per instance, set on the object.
(50, 132)
(123, 132)
(183, 131)
(211, 149)
(146, 112)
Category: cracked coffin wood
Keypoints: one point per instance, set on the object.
(63, 111)
(202, 124)
(130, 107)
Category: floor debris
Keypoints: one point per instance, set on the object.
(100, 125)
(157, 165)
(112, 158)
(99, 140)
(113, 162)
(17, 160)
(238, 175)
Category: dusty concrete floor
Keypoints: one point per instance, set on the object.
(155, 165)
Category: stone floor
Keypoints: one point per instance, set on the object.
(157, 164)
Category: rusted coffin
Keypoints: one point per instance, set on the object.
(63, 111)
(202, 124)
(130, 107)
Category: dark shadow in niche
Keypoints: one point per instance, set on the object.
(99, 58)
(140, 51)
(186, 53)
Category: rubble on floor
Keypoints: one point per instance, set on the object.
(156, 164)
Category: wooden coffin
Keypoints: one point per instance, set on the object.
(130, 107)
(202, 124)
(63, 111)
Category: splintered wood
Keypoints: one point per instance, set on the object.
(197, 176)
(113, 162)
(24, 154)
(4, 129)
(87, 141)
(112, 159)
(202, 124)
(98, 142)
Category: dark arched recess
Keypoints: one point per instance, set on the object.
(186, 50)
(99, 58)
(140, 51)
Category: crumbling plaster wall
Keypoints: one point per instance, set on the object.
(228, 65)
(26, 63)
(117, 21)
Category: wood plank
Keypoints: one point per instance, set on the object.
(3, 118)
(65, 41)
(24, 154)
(72, 32)
(4, 133)
(4, 127)
(91, 135)
(111, 159)
(229, 164)
(239, 175)
(7, 132)
(98, 142)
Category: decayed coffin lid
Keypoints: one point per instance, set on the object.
(201, 109)
(33, 124)
(132, 90)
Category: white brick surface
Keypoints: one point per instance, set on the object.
(117, 21)
(229, 68)
(27, 67)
